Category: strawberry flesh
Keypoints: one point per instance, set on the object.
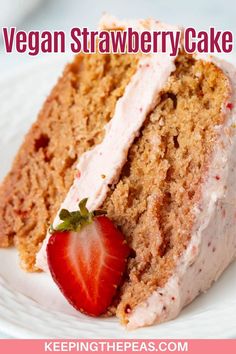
(88, 265)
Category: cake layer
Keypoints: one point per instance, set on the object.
(154, 201)
(213, 241)
(70, 123)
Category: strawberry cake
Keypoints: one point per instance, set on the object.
(124, 189)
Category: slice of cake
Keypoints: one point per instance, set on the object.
(71, 121)
(150, 139)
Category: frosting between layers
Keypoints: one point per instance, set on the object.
(102, 165)
(213, 242)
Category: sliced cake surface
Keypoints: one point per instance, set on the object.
(150, 139)
(70, 122)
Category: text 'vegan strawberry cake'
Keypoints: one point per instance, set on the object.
(131, 161)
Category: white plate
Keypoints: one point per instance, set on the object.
(30, 304)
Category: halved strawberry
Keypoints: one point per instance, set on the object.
(87, 257)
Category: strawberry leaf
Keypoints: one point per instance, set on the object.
(64, 226)
(99, 212)
(75, 220)
(82, 206)
(64, 214)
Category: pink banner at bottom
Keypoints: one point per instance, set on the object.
(198, 346)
